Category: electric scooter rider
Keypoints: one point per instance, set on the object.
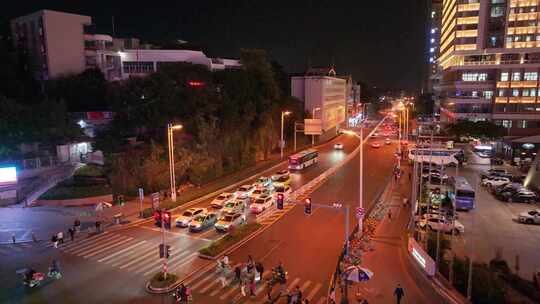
(54, 269)
(181, 294)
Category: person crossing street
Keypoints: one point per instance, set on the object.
(399, 293)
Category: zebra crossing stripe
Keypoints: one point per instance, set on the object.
(207, 287)
(184, 261)
(322, 300)
(151, 251)
(121, 251)
(210, 276)
(76, 250)
(175, 258)
(305, 286)
(88, 239)
(229, 292)
(108, 247)
(89, 243)
(90, 249)
(313, 292)
(290, 287)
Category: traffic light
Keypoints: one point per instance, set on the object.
(279, 201)
(157, 218)
(307, 206)
(167, 219)
(164, 251)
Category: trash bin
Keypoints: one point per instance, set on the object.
(117, 218)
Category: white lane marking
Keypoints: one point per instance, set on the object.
(88, 239)
(184, 261)
(207, 287)
(151, 251)
(152, 269)
(229, 292)
(129, 256)
(107, 248)
(77, 250)
(176, 233)
(210, 276)
(322, 301)
(314, 291)
(291, 286)
(305, 286)
(91, 243)
(105, 258)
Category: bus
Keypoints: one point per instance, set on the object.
(303, 159)
(438, 156)
(461, 193)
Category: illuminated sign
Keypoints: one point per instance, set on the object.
(421, 257)
(418, 257)
(8, 176)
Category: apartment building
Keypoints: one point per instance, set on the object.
(58, 43)
(490, 61)
(434, 35)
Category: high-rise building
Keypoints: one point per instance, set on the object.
(490, 61)
(434, 35)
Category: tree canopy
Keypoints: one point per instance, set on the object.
(479, 129)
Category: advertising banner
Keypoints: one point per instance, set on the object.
(8, 176)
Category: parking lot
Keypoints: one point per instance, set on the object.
(492, 226)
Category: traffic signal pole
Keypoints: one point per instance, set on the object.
(163, 245)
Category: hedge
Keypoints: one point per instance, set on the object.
(158, 281)
(218, 246)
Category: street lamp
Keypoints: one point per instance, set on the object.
(170, 129)
(282, 143)
(361, 174)
(313, 117)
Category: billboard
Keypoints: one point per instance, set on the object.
(8, 176)
(312, 127)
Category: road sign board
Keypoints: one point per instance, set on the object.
(360, 212)
(312, 127)
(155, 200)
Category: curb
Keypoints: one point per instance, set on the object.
(154, 290)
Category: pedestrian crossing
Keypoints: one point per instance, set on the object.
(207, 283)
(126, 253)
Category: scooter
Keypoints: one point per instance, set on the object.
(32, 279)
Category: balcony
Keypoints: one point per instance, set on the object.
(517, 84)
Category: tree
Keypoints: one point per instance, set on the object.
(86, 91)
(479, 129)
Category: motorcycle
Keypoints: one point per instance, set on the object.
(182, 300)
(32, 279)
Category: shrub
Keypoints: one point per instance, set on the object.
(216, 247)
(158, 281)
(89, 171)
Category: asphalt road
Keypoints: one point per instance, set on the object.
(113, 267)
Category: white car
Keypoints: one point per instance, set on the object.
(280, 174)
(228, 220)
(188, 215)
(222, 199)
(495, 181)
(245, 191)
(259, 192)
(285, 190)
(338, 146)
(262, 203)
(437, 223)
(263, 181)
(531, 217)
(236, 206)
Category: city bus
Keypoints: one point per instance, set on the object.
(438, 156)
(461, 193)
(303, 159)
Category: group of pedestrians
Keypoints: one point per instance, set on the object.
(58, 238)
(247, 274)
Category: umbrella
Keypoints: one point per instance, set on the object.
(358, 274)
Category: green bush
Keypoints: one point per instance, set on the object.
(158, 281)
(89, 171)
(148, 212)
(217, 247)
(487, 286)
(66, 191)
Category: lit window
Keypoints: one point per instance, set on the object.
(504, 76)
(502, 93)
(507, 123)
(525, 92)
(515, 92)
(432, 40)
(533, 92)
(433, 30)
(482, 76)
(430, 59)
(516, 76)
(522, 124)
(432, 14)
(474, 93)
(487, 94)
(530, 76)
(431, 50)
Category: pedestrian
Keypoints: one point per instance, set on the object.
(77, 225)
(60, 237)
(296, 295)
(54, 240)
(399, 293)
(34, 237)
(389, 214)
(222, 277)
(260, 270)
(405, 202)
(237, 273)
(225, 260)
(410, 175)
(71, 233)
(98, 226)
(243, 286)
(252, 286)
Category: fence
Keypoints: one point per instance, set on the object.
(32, 163)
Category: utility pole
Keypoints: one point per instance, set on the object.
(282, 143)
(361, 180)
(313, 117)
(469, 281)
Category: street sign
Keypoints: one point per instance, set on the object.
(155, 200)
(313, 127)
(360, 212)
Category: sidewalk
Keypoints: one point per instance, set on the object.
(387, 259)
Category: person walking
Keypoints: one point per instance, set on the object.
(250, 263)
(243, 286)
(98, 226)
(77, 225)
(260, 270)
(54, 240)
(389, 214)
(252, 286)
(71, 233)
(60, 237)
(399, 293)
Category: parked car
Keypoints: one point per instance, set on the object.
(262, 203)
(285, 190)
(387, 141)
(222, 199)
(521, 197)
(236, 206)
(245, 191)
(188, 215)
(495, 172)
(263, 181)
(228, 220)
(203, 221)
(259, 192)
(510, 187)
(530, 217)
(338, 146)
(494, 181)
(280, 173)
(443, 225)
(436, 178)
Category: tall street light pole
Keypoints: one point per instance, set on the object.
(170, 130)
(361, 179)
(282, 143)
(313, 117)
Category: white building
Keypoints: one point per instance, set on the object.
(325, 96)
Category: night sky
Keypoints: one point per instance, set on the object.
(378, 42)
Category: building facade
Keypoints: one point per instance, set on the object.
(59, 43)
(490, 61)
(325, 95)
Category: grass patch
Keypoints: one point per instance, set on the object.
(217, 247)
(89, 171)
(69, 191)
(158, 281)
